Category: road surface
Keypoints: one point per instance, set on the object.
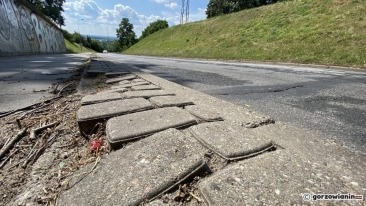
(329, 102)
(25, 80)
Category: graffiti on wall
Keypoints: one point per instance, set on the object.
(26, 23)
(22, 31)
(4, 23)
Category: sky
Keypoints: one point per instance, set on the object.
(102, 17)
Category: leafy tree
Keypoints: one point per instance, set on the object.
(154, 27)
(125, 33)
(96, 45)
(115, 46)
(51, 8)
(220, 7)
(67, 35)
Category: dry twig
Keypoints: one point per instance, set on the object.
(35, 131)
(12, 142)
(10, 155)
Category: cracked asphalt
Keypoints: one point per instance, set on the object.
(330, 102)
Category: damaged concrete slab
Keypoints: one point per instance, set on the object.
(168, 101)
(131, 84)
(137, 173)
(119, 90)
(131, 81)
(231, 141)
(131, 126)
(147, 93)
(121, 78)
(204, 114)
(145, 87)
(89, 115)
(275, 178)
(116, 74)
(101, 97)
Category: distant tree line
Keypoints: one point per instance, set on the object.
(50, 8)
(127, 36)
(221, 7)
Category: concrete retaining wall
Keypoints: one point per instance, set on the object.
(25, 31)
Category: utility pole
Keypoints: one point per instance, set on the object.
(184, 14)
(107, 40)
(81, 48)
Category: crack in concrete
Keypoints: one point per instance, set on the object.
(260, 123)
(265, 91)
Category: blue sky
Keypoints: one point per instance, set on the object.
(102, 17)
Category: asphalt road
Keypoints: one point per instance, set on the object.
(26, 80)
(329, 102)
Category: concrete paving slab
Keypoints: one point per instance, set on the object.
(119, 90)
(131, 81)
(116, 74)
(125, 82)
(168, 101)
(131, 84)
(89, 115)
(147, 93)
(132, 126)
(137, 173)
(118, 79)
(231, 141)
(206, 115)
(145, 87)
(101, 97)
(275, 178)
(156, 203)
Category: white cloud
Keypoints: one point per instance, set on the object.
(87, 16)
(167, 3)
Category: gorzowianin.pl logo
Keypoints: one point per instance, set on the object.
(315, 197)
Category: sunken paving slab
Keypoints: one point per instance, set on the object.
(116, 74)
(132, 126)
(120, 90)
(231, 141)
(118, 79)
(101, 97)
(275, 178)
(131, 81)
(204, 114)
(147, 93)
(89, 115)
(131, 84)
(168, 101)
(145, 87)
(137, 173)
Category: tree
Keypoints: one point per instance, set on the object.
(220, 7)
(154, 27)
(125, 34)
(51, 8)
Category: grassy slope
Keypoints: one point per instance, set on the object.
(75, 48)
(330, 32)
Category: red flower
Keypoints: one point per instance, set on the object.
(96, 144)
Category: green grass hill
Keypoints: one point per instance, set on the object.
(327, 32)
(75, 48)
